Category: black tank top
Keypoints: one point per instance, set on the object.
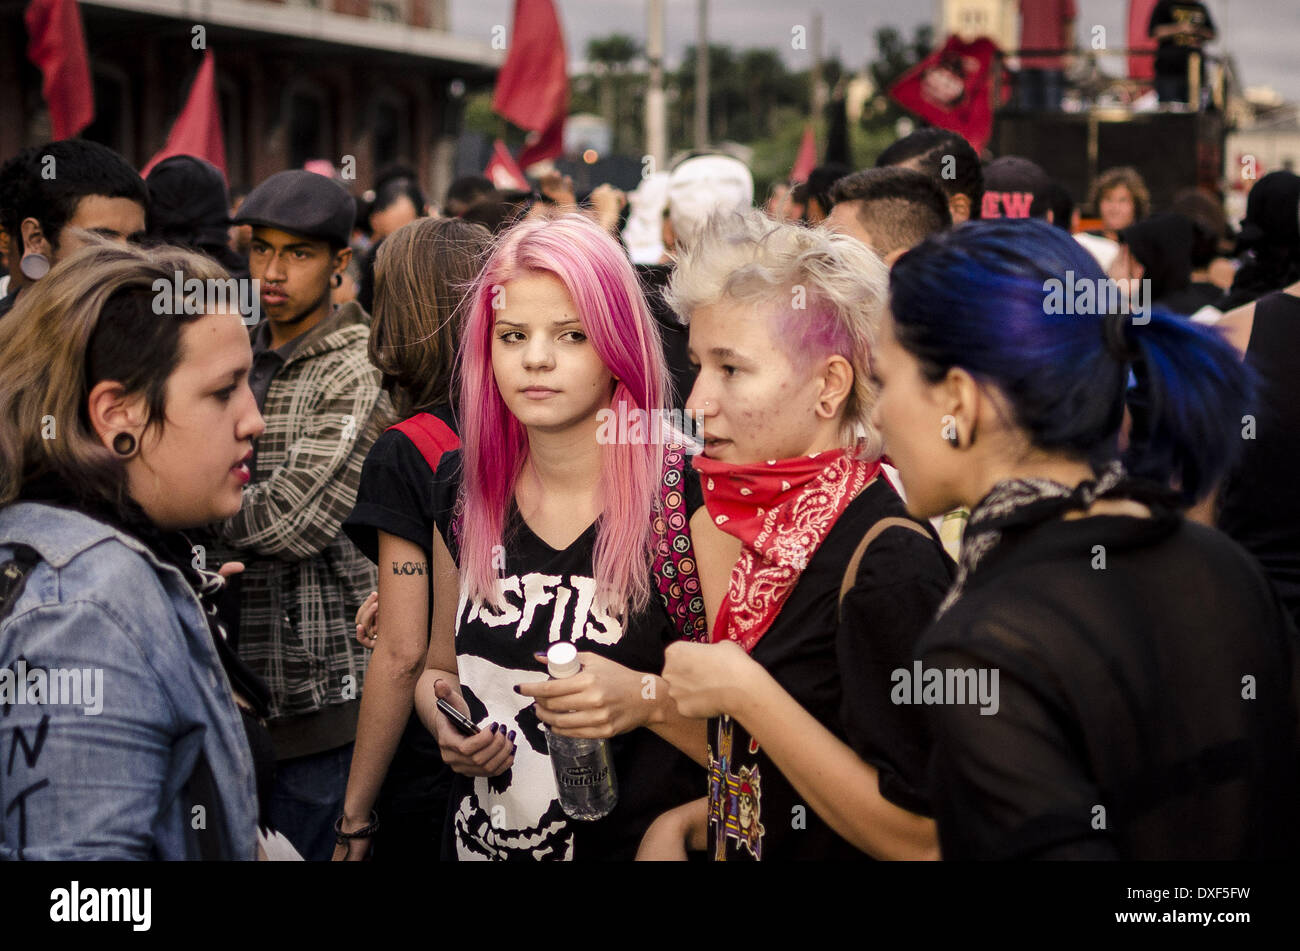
(1258, 506)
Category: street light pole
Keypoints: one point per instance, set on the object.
(702, 78)
(656, 125)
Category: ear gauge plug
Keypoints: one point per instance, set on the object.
(34, 265)
(124, 444)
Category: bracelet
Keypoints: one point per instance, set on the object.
(365, 832)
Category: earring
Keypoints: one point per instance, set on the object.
(336, 279)
(124, 444)
(34, 265)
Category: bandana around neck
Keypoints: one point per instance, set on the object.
(781, 510)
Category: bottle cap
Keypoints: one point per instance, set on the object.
(562, 660)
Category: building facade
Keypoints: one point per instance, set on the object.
(359, 83)
(997, 19)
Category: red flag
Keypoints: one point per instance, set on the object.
(806, 160)
(532, 88)
(503, 170)
(57, 45)
(546, 144)
(198, 128)
(952, 88)
(1139, 18)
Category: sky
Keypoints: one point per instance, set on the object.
(1262, 34)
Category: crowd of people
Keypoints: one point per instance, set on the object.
(957, 531)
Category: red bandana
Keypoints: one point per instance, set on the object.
(781, 511)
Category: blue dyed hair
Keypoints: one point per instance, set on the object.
(976, 298)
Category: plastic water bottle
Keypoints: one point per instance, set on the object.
(584, 769)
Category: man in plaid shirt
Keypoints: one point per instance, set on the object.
(303, 580)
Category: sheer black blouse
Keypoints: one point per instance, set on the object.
(1147, 687)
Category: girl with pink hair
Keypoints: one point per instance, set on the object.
(549, 530)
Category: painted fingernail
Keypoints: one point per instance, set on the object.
(516, 689)
(514, 749)
(511, 735)
(494, 727)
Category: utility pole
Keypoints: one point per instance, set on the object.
(656, 125)
(702, 78)
(818, 103)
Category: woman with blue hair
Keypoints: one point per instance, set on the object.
(1144, 677)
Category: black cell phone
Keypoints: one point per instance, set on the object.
(461, 722)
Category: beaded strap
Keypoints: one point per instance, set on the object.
(675, 572)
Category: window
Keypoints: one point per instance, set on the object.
(230, 97)
(391, 11)
(112, 123)
(308, 130)
(391, 142)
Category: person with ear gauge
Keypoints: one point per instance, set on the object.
(1147, 676)
(304, 580)
(56, 197)
(125, 430)
(828, 584)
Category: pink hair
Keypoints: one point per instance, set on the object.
(604, 288)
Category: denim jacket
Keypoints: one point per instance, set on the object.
(111, 626)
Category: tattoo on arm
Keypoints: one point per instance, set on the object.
(411, 568)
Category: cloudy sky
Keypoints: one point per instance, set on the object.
(1262, 34)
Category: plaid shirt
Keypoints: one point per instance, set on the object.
(303, 579)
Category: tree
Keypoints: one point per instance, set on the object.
(767, 85)
(745, 92)
(610, 57)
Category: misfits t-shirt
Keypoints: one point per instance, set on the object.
(550, 597)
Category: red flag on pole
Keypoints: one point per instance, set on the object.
(952, 88)
(1139, 18)
(532, 88)
(806, 160)
(543, 145)
(57, 45)
(503, 170)
(197, 130)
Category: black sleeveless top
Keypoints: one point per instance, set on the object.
(1257, 506)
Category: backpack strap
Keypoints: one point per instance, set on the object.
(874, 532)
(431, 436)
(676, 573)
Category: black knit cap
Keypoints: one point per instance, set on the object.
(301, 203)
(188, 202)
(1272, 212)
